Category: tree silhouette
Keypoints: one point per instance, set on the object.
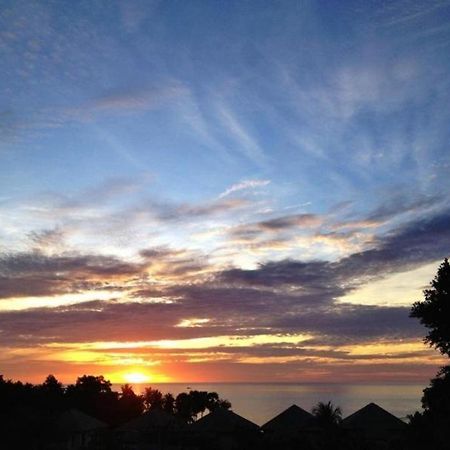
(434, 310)
(199, 402)
(37, 408)
(431, 429)
(327, 415)
(436, 398)
(52, 393)
(51, 384)
(153, 399)
(183, 407)
(213, 401)
(189, 405)
(130, 404)
(168, 403)
(94, 396)
(91, 384)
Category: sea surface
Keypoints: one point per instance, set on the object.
(261, 402)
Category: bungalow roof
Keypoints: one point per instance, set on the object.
(74, 420)
(223, 420)
(150, 420)
(373, 417)
(291, 419)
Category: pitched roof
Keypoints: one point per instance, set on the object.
(151, 420)
(74, 420)
(373, 417)
(290, 419)
(223, 420)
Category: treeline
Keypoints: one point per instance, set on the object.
(94, 396)
(431, 427)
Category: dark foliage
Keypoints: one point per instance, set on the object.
(36, 408)
(94, 396)
(153, 399)
(431, 428)
(434, 310)
(327, 415)
(436, 398)
(168, 403)
(130, 404)
(188, 406)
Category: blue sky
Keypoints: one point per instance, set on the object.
(215, 137)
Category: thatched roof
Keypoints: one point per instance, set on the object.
(151, 420)
(289, 420)
(373, 418)
(224, 421)
(75, 421)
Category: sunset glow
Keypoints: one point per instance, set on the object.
(136, 377)
(250, 191)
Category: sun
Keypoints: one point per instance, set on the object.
(136, 377)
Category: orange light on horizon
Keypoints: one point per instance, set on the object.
(136, 377)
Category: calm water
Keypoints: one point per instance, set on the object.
(261, 402)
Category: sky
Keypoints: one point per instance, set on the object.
(221, 190)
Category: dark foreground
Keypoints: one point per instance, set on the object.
(89, 415)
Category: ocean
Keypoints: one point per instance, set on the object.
(261, 402)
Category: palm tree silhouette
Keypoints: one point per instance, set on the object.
(327, 414)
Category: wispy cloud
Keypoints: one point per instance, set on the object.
(116, 102)
(243, 141)
(407, 12)
(211, 149)
(130, 100)
(244, 185)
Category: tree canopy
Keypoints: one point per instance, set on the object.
(34, 408)
(434, 310)
(430, 429)
(327, 414)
